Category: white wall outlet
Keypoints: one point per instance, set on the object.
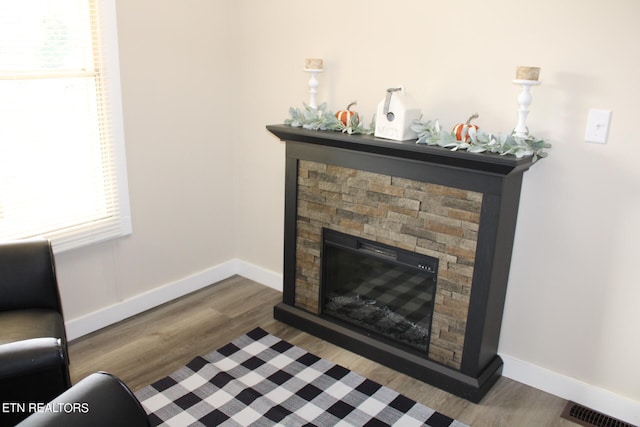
(597, 126)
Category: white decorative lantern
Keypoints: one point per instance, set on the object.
(395, 115)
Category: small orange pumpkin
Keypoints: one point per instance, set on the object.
(345, 115)
(463, 128)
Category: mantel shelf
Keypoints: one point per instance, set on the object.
(481, 162)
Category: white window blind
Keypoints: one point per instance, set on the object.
(62, 164)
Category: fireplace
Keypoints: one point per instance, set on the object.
(360, 206)
(379, 289)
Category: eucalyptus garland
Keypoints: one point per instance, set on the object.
(320, 119)
(429, 132)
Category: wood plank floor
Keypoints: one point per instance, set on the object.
(151, 345)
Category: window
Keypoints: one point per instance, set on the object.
(62, 164)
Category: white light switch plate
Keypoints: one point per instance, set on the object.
(597, 126)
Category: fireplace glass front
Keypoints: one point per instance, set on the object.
(378, 289)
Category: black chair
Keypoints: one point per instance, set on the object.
(29, 297)
(30, 310)
(31, 371)
(99, 400)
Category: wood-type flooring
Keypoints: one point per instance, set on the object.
(153, 344)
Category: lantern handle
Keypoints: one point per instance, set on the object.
(387, 100)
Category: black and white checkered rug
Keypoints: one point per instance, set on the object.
(261, 380)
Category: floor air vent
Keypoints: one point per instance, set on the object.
(588, 417)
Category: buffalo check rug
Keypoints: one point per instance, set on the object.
(261, 380)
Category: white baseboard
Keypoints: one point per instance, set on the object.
(114, 313)
(260, 275)
(572, 389)
(535, 376)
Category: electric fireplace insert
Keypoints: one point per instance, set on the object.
(378, 289)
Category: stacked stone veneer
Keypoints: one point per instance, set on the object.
(430, 219)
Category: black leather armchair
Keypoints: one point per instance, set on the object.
(31, 371)
(34, 363)
(99, 400)
(29, 297)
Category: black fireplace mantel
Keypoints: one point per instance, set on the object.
(498, 178)
(481, 162)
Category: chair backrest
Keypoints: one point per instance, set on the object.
(28, 276)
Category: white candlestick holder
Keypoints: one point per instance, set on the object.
(313, 85)
(524, 99)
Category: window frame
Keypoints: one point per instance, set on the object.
(118, 224)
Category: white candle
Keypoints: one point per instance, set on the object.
(313, 64)
(527, 73)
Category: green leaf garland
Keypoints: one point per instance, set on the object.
(429, 132)
(320, 119)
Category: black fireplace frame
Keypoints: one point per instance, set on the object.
(498, 178)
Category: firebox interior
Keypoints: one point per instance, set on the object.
(378, 288)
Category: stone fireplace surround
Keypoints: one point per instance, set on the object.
(426, 218)
(458, 207)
